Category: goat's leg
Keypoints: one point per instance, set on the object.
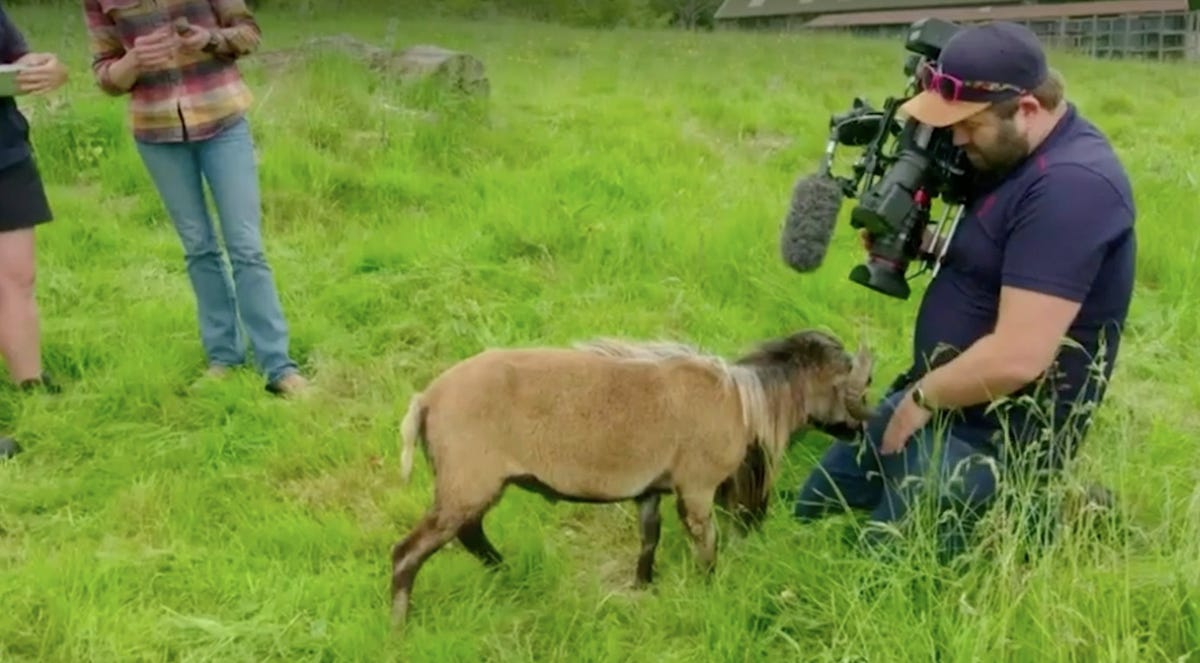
(651, 525)
(472, 537)
(434, 531)
(453, 512)
(695, 511)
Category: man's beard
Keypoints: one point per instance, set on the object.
(1009, 150)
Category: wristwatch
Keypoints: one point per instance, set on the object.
(918, 397)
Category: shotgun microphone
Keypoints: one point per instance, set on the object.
(810, 221)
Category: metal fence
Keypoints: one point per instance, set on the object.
(1131, 34)
(1161, 36)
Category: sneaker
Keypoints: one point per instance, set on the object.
(8, 448)
(292, 384)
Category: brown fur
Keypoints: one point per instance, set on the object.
(609, 421)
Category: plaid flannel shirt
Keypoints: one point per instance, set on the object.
(197, 95)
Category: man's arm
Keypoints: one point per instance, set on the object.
(1023, 345)
(1053, 252)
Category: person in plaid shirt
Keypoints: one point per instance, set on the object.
(177, 62)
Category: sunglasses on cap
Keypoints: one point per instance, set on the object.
(951, 88)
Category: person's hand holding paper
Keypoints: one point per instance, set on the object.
(39, 73)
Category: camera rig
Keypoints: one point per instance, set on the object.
(896, 187)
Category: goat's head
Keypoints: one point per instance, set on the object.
(832, 382)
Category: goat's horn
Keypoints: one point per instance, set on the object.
(863, 363)
(856, 408)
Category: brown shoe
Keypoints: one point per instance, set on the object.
(8, 448)
(292, 384)
(41, 383)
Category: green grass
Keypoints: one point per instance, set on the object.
(621, 183)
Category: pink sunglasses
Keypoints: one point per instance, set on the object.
(951, 88)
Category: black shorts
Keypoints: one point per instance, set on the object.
(23, 202)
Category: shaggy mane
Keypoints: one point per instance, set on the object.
(653, 351)
(766, 408)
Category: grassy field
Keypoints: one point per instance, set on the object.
(619, 183)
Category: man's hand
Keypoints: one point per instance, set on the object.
(865, 236)
(40, 73)
(907, 419)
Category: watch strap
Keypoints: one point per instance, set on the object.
(918, 397)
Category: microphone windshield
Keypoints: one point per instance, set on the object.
(810, 221)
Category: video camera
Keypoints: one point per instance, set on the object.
(896, 187)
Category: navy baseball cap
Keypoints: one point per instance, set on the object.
(979, 66)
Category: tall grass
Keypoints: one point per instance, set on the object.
(620, 182)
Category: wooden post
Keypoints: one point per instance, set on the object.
(1193, 36)
(1095, 33)
(1125, 39)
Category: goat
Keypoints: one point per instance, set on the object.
(609, 420)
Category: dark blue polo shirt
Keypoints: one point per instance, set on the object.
(1061, 223)
(14, 130)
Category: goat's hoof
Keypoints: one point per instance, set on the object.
(400, 609)
(643, 577)
(643, 580)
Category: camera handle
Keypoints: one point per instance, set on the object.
(934, 261)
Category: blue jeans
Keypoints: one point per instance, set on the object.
(226, 162)
(888, 486)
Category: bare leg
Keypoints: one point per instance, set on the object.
(695, 511)
(472, 537)
(19, 332)
(651, 525)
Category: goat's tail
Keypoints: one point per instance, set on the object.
(412, 427)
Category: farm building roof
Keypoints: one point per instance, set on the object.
(998, 13)
(762, 8)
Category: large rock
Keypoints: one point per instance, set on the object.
(459, 71)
